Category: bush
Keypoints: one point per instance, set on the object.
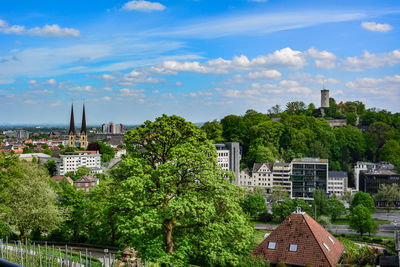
(280, 264)
(251, 261)
(265, 217)
(5, 230)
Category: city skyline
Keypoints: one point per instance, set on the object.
(132, 61)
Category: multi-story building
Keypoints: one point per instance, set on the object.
(383, 174)
(362, 166)
(266, 175)
(112, 128)
(307, 175)
(337, 182)
(281, 176)
(229, 156)
(23, 134)
(262, 176)
(70, 162)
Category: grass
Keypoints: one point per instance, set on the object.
(259, 236)
(375, 239)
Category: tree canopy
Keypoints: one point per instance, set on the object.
(177, 204)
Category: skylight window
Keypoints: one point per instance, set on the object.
(326, 246)
(271, 245)
(293, 247)
(330, 238)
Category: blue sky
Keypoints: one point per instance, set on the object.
(134, 60)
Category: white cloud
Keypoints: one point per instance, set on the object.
(284, 58)
(368, 61)
(55, 104)
(47, 30)
(50, 82)
(376, 27)
(323, 59)
(178, 83)
(87, 88)
(310, 79)
(32, 81)
(265, 74)
(30, 102)
(259, 23)
(145, 6)
(107, 98)
(107, 89)
(376, 86)
(132, 92)
(155, 91)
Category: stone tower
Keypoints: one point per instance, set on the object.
(71, 132)
(325, 98)
(83, 136)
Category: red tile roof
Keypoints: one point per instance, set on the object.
(309, 236)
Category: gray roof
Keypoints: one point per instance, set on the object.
(257, 166)
(337, 174)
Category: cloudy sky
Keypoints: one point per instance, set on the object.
(201, 59)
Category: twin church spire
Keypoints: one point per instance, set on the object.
(72, 133)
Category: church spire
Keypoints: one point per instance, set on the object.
(72, 122)
(83, 127)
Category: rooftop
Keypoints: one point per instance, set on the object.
(310, 160)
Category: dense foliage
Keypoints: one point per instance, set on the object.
(299, 131)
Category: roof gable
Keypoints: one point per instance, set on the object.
(308, 235)
(258, 167)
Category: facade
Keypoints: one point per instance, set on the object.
(266, 175)
(86, 182)
(307, 175)
(299, 241)
(370, 180)
(58, 179)
(112, 128)
(83, 140)
(362, 166)
(281, 173)
(325, 98)
(337, 182)
(22, 134)
(262, 176)
(72, 161)
(234, 157)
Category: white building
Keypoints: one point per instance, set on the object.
(281, 176)
(337, 182)
(229, 156)
(72, 161)
(223, 159)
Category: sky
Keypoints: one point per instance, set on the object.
(131, 61)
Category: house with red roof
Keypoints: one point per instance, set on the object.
(298, 241)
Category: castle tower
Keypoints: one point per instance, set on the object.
(71, 132)
(83, 136)
(325, 98)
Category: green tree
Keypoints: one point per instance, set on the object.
(278, 194)
(178, 204)
(31, 202)
(286, 207)
(361, 220)
(361, 198)
(27, 150)
(388, 194)
(320, 203)
(253, 205)
(51, 167)
(335, 208)
(379, 133)
(74, 228)
(213, 130)
(390, 152)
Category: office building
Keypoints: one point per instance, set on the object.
(307, 175)
(112, 128)
(229, 156)
(337, 182)
(383, 173)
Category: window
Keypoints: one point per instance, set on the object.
(326, 246)
(271, 245)
(293, 247)
(330, 238)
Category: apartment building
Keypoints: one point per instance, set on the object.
(70, 162)
(337, 182)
